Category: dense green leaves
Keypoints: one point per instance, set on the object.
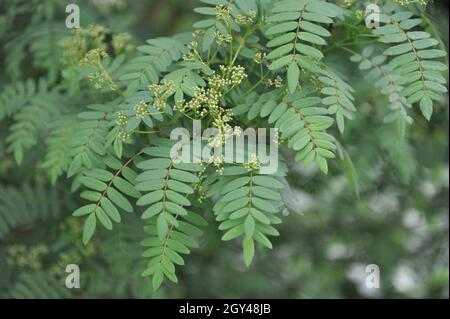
(39, 285)
(338, 96)
(412, 55)
(167, 185)
(387, 81)
(108, 191)
(303, 123)
(156, 56)
(27, 205)
(87, 144)
(294, 30)
(14, 96)
(57, 159)
(33, 107)
(165, 252)
(246, 60)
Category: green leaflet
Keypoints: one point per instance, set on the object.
(248, 249)
(89, 228)
(57, 161)
(293, 74)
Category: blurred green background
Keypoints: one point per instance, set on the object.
(394, 214)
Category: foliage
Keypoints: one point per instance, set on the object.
(100, 110)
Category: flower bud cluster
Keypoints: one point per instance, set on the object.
(277, 82)
(223, 12)
(220, 38)
(253, 163)
(246, 20)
